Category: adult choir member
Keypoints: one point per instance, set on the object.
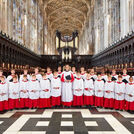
(67, 94)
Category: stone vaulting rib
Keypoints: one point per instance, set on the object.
(72, 12)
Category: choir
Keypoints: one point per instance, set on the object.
(67, 88)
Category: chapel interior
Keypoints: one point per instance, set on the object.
(95, 34)
(91, 33)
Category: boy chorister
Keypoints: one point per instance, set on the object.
(129, 95)
(109, 93)
(38, 76)
(14, 94)
(104, 77)
(34, 89)
(119, 94)
(99, 91)
(74, 72)
(93, 75)
(78, 87)
(1, 74)
(25, 73)
(10, 77)
(56, 90)
(125, 77)
(114, 75)
(49, 73)
(59, 71)
(88, 90)
(44, 100)
(24, 96)
(3, 94)
(83, 73)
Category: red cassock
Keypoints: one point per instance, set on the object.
(33, 90)
(78, 87)
(129, 96)
(88, 92)
(24, 102)
(99, 101)
(14, 95)
(109, 94)
(3, 96)
(44, 100)
(119, 104)
(77, 100)
(33, 103)
(4, 105)
(88, 100)
(56, 101)
(99, 92)
(119, 95)
(108, 102)
(129, 105)
(14, 103)
(24, 97)
(56, 91)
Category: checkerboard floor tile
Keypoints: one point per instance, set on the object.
(67, 121)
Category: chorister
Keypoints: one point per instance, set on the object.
(24, 96)
(99, 91)
(89, 90)
(119, 94)
(109, 93)
(129, 95)
(44, 100)
(78, 87)
(56, 90)
(14, 94)
(34, 89)
(3, 94)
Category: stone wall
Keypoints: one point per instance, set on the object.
(110, 21)
(23, 21)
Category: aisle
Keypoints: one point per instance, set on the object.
(67, 121)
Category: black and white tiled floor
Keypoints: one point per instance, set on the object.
(67, 121)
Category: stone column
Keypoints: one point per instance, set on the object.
(106, 21)
(3, 16)
(133, 15)
(124, 17)
(96, 41)
(0, 15)
(27, 32)
(10, 17)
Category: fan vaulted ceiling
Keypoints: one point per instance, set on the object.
(66, 15)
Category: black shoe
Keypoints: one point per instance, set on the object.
(2, 112)
(131, 112)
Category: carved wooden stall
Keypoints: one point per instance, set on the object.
(54, 61)
(15, 55)
(118, 56)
